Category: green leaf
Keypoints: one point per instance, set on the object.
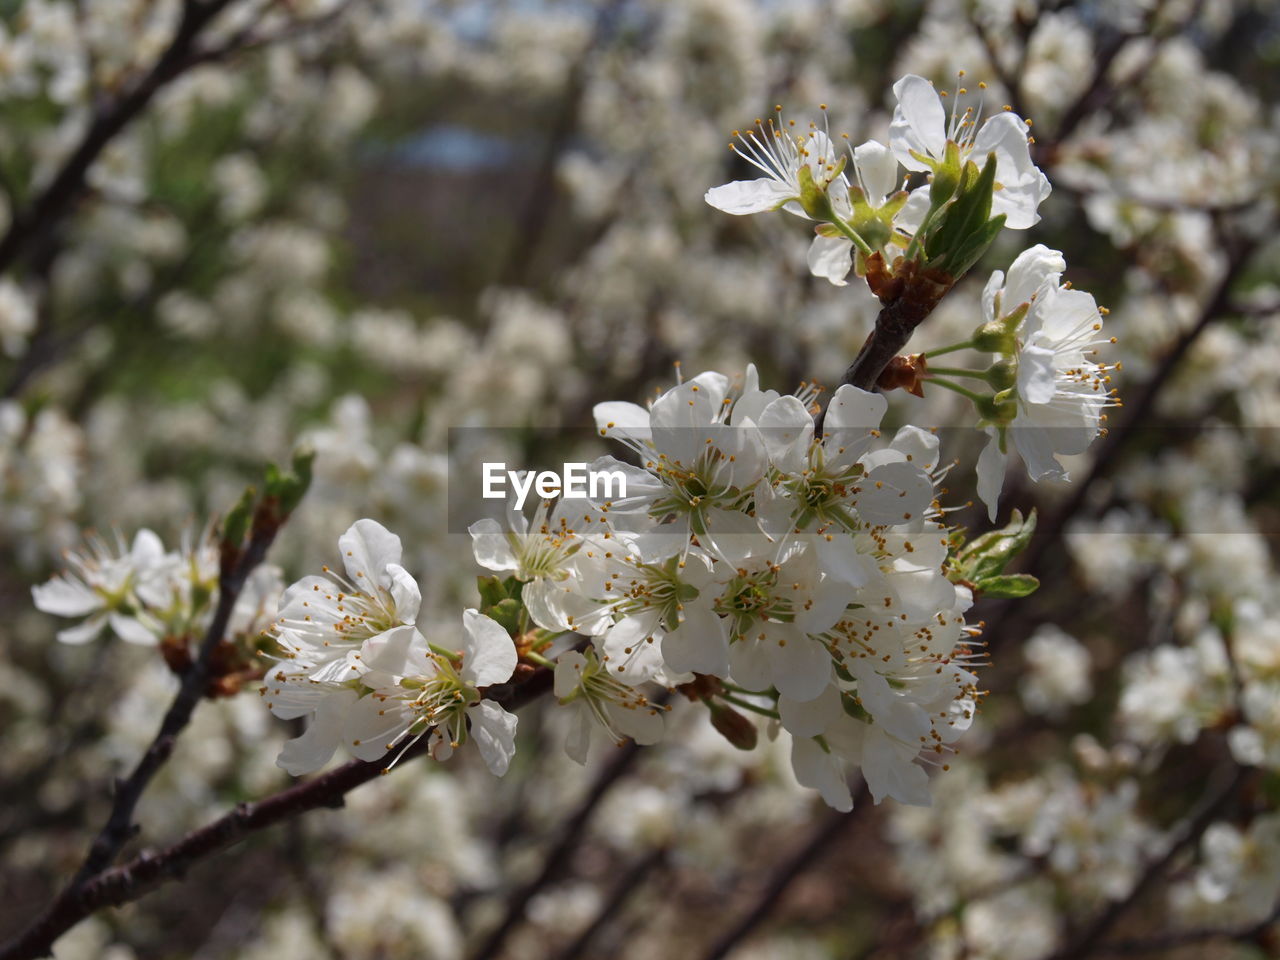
(1010, 585)
(236, 524)
(990, 554)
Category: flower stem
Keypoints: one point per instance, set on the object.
(955, 387)
(958, 372)
(748, 705)
(853, 236)
(539, 659)
(962, 345)
(733, 687)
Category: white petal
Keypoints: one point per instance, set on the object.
(786, 426)
(817, 769)
(644, 725)
(488, 653)
(65, 598)
(83, 632)
(991, 470)
(312, 750)
(1036, 448)
(131, 630)
(1032, 268)
(855, 409)
(147, 550)
(1036, 378)
(877, 170)
(831, 258)
(490, 545)
(568, 673)
(750, 196)
(367, 547)
(581, 725)
(495, 733)
(810, 718)
(801, 670)
(404, 592)
(890, 773)
(919, 122)
(618, 418)
(371, 725)
(698, 645)
(894, 493)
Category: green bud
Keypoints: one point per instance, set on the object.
(988, 555)
(236, 524)
(997, 409)
(491, 591)
(994, 337)
(1003, 374)
(507, 614)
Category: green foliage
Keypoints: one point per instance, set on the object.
(500, 600)
(983, 562)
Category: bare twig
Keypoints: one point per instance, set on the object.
(622, 890)
(1088, 938)
(237, 565)
(570, 833)
(132, 880)
(1185, 938)
(33, 223)
(786, 873)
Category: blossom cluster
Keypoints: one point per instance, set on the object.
(147, 595)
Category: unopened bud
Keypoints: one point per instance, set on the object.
(994, 337)
(1003, 373)
(733, 726)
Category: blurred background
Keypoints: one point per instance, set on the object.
(359, 225)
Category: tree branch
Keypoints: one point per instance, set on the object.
(147, 870)
(571, 831)
(34, 222)
(1087, 939)
(781, 879)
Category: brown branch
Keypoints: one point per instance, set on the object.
(120, 828)
(130, 881)
(32, 224)
(1089, 938)
(618, 897)
(909, 297)
(570, 833)
(1184, 938)
(786, 873)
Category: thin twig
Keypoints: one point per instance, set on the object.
(622, 890)
(785, 874)
(120, 828)
(570, 833)
(1088, 938)
(1183, 938)
(32, 224)
(130, 881)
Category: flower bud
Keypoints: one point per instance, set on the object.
(1003, 374)
(733, 726)
(994, 337)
